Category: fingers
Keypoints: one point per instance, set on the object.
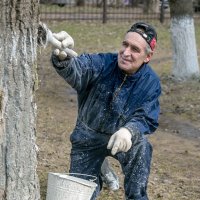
(120, 141)
(71, 53)
(114, 144)
(66, 40)
(62, 55)
(111, 142)
(62, 35)
(56, 52)
(117, 145)
(68, 43)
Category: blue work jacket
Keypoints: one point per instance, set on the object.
(108, 99)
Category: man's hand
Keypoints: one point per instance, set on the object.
(67, 43)
(66, 40)
(62, 55)
(120, 141)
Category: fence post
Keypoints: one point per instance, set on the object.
(162, 12)
(104, 11)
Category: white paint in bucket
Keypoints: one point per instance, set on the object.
(66, 187)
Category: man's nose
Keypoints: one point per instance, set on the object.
(127, 51)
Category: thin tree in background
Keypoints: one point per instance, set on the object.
(151, 6)
(18, 152)
(185, 56)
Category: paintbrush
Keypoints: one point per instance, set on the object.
(45, 37)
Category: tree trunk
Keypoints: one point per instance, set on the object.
(18, 152)
(146, 4)
(183, 39)
(80, 2)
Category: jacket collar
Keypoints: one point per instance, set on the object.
(134, 76)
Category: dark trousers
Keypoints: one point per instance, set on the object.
(89, 149)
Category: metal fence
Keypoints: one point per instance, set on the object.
(106, 10)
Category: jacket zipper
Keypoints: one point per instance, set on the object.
(114, 97)
(119, 88)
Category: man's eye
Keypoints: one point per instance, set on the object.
(125, 44)
(134, 49)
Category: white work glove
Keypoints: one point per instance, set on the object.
(62, 55)
(120, 141)
(66, 40)
(66, 44)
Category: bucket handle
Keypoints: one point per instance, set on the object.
(94, 178)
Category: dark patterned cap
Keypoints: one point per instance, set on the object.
(146, 31)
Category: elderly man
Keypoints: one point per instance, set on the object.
(117, 107)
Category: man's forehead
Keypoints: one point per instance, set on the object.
(135, 39)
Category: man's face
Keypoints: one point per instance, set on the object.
(133, 54)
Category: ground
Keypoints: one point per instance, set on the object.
(176, 157)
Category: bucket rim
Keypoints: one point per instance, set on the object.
(89, 183)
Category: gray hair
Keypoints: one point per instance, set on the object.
(148, 49)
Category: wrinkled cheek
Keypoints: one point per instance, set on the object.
(120, 63)
(122, 66)
(119, 56)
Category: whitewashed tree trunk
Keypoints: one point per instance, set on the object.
(184, 48)
(18, 152)
(185, 57)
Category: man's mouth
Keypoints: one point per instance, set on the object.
(124, 60)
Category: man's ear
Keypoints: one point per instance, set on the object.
(148, 58)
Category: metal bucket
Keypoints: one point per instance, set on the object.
(68, 187)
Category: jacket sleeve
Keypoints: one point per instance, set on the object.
(145, 118)
(79, 72)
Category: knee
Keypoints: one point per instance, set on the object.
(142, 144)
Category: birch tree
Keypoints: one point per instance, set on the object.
(18, 156)
(185, 57)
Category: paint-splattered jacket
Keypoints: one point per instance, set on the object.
(107, 98)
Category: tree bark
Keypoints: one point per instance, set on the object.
(18, 80)
(185, 57)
